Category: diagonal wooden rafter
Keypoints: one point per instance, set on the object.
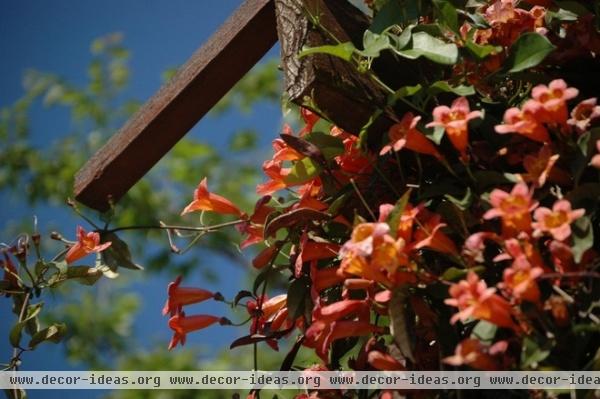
(198, 85)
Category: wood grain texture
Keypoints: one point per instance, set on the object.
(328, 85)
(198, 85)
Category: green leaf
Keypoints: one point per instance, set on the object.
(432, 48)
(54, 333)
(297, 292)
(528, 51)
(402, 40)
(462, 203)
(304, 170)
(85, 275)
(15, 334)
(118, 254)
(447, 14)
(342, 50)
(481, 51)
(444, 86)
(396, 214)
(374, 44)
(532, 354)
(484, 331)
(583, 237)
(454, 273)
(405, 91)
(329, 145)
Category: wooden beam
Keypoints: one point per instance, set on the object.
(198, 85)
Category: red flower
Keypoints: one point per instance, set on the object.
(384, 361)
(406, 134)
(254, 226)
(475, 300)
(180, 296)
(557, 221)
(525, 122)
(471, 352)
(87, 243)
(207, 201)
(583, 114)
(182, 325)
(538, 166)
(454, 120)
(514, 208)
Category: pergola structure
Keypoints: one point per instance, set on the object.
(326, 84)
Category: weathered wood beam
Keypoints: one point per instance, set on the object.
(328, 85)
(198, 85)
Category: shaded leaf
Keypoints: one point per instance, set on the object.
(255, 338)
(118, 254)
(374, 44)
(532, 354)
(85, 275)
(529, 50)
(443, 86)
(432, 48)
(241, 295)
(396, 214)
(583, 237)
(398, 321)
(330, 146)
(54, 333)
(454, 273)
(298, 290)
(305, 147)
(288, 361)
(447, 14)
(484, 331)
(304, 170)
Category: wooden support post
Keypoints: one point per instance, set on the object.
(204, 79)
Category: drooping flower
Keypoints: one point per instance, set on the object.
(473, 353)
(514, 208)
(583, 114)
(557, 221)
(406, 135)
(10, 271)
(538, 166)
(519, 280)
(87, 243)
(553, 99)
(182, 325)
(277, 174)
(207, 201)
(475, 300)
(454, 120)
(180, 296)
(254, 226)
(429, 235)
(525, 122)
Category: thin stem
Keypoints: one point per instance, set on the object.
(17, 351)
(362, 199)
(386, 180)
(171, 227)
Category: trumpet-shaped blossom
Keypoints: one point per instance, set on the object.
(538, 166)
(583, 114)
(10, 271)
(254, 226)
(556, 221)
(182, 325)
(475, 300)
(514, 208)
(207, 201)
(553, 99)
(87, 243)
(384, 361)
(471, 352)
(406, 135)
(525, 122)
(180, 296)
(519, 280)
(455, 120)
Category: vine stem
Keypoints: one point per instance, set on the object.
(362, 199)
(171, 227)
(18, 351)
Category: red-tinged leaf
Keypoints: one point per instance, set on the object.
(305, 148)
(296, 217)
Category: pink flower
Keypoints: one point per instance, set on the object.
(524, 122)
(514, 208)
(475, 300)
(595, 162)
(583, 114)
(454, 120)
(553, 99)
(87, 243)
(519, 280)
(557, 221)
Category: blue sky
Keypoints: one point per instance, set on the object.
(55, 36)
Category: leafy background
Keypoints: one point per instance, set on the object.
(71, 74)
